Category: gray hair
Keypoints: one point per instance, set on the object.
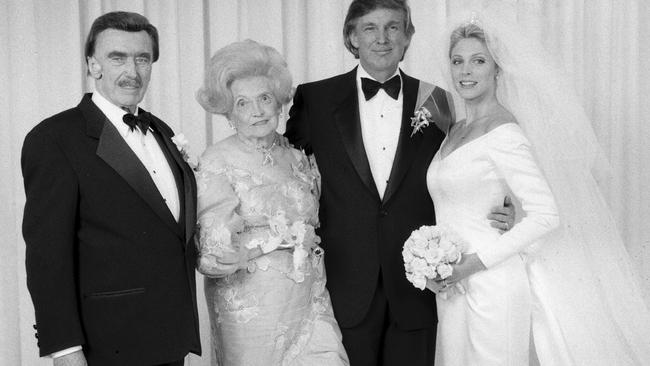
(241, 60)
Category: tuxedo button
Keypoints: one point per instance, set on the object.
(383, 213)
(36, 335)
(34, 326)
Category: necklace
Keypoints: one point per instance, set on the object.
(265, 151)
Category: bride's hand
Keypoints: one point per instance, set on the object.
(435, 286)
(469, 264)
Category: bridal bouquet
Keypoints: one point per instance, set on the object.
(429, 252)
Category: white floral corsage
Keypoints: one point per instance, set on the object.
(420, 120)
(183, 146)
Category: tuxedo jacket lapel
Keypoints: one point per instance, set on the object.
(347, 119)
(407, 146)
(116, 153)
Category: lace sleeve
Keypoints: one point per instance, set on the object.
(219, 224)
(307, 170)
(511, 154)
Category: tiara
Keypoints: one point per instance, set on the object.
(473, 20)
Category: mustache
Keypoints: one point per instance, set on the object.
(130, 83)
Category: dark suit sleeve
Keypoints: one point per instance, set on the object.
(298, 125)
(49, 229)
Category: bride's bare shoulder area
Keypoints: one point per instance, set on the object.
(500, 118)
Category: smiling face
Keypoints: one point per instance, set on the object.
(121, 66)
(473, 69)
(255, 110)
(381, 40)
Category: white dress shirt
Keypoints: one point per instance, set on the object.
(146, 148)
(381, 120)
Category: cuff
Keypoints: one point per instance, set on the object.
(65, 352)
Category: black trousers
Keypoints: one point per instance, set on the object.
(378, 340)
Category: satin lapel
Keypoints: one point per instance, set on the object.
(118, 155)
(407, 146)
(348, 122)
(95, 119)
(189, 183)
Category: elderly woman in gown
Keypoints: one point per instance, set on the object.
(258, 208)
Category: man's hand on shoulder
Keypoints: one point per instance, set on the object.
(72, 359)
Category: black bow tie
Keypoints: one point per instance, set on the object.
(142, 120)
(371, 87)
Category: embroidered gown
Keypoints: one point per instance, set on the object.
(490, 324)
(265, 280)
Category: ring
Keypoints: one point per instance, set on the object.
(507, 226)
(444, 284)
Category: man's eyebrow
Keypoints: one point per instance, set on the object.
(117, 54)
(367, 23)
(124, 54)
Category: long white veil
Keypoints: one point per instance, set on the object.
(588, 307)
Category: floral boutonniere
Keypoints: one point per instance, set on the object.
(420, 120)
(183, 146)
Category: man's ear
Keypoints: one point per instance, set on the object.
(354, 41)
(94, 68)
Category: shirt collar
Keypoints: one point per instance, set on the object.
(113, 113)
(362, 73)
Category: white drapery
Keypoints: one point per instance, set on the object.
(604, 45)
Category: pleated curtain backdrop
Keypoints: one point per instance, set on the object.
(604, 44)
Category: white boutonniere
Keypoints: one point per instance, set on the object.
(421, 119)
(183, 146)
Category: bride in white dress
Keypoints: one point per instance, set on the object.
(558, 288)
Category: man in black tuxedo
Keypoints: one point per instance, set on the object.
(109, 217)
(374, 190)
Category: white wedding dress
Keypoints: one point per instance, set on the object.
(562, 297)
(490, 323)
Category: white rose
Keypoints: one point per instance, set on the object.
(419, 265)
(446, 244)
(445, 270)
(418, 239)
(429, 272)
(407, 255)
(453, 255)
(417, 281)
(432, 233)
(433, 255)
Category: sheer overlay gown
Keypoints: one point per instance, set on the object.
(490, 324)
(272, 308)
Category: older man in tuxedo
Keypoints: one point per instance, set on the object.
(374, 192)
(109, 216)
